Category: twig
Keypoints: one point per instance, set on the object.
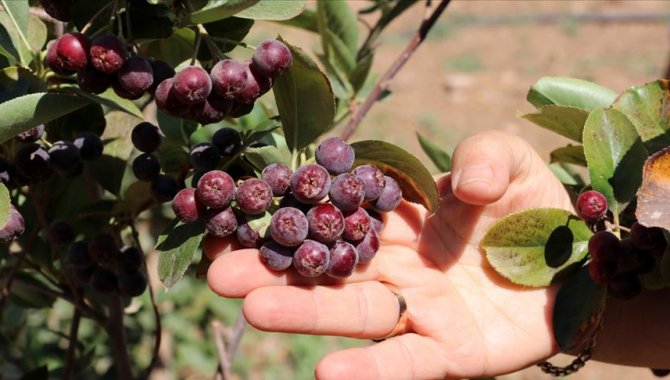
(129, 29)
(427, 23)
(235, 336)
(68, 373)
(95, 16)
(117, 335)
(224, 363)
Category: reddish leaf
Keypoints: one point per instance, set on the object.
(653, 198)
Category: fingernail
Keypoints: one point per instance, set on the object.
(476, 173)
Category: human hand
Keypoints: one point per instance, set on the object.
(464, 320)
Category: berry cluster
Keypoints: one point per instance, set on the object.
(106, 62)
(228, 90)
(616, 262)
(324, 217)
(102, 264)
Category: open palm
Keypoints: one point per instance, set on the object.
(464, 320)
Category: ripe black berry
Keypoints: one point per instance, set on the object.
(275, 256)
(311, 259)
(60, 232)
(253, 196)
(129, 258)
(131, 283)
(90, 146)
(591, 206)
(192, 85)
(326, 223)
(289, 226)
(32, 162)
(146, 137)
(272, 58)
(91, 80)
(310, 183)
(335, 155)
(65, 158)
(108, 54)
(343, 260)
(164, 188)
(103, 248)
(77, 255)
(187, 207)
(146, 167)
(205, 157)
(103, 281)
(228, 141)
(216, 189)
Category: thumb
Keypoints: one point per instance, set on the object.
(485, 165)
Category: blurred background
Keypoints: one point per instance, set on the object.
(471, 75)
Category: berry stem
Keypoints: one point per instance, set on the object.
(73, 338)
(238, 43)
(129, 29)
(198, 38)
(382, 84)
(95, 16)
(117, 335)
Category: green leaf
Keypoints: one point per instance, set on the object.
(615, 156)
(67, 127)
(220, 9)
(415, 180)
(108, 172)
(568, 176)
(305, 20)
(558, 249)
(274, 10)
(232, 28)
(578, 311)
(173, 156)
(571, 154)
(176, 128)
(37, 33)
(39, 373)
(175, 49)
(339, 33)
(7, 48)
(304, 99)
(27, 111)
(5, 204)
(566, 121)
(15, 18)
(17, 81)
(515, 245)
(110, 100)
(647, 108)
(570, 92)
(178, 245)
(264, 156)
(437, 155)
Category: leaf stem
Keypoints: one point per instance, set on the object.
(382, 84)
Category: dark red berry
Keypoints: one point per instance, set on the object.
(221, 222)
(136, 75)
(187, 207)
(646, 238)
(346, 192)
(368, 247)
(14, 227)
(72, 51)
(77, 255)
(356, 224)
(253, 196)
(311, 259)
(192, 85)
(31, 135)
(634, 260)
(83, 275)
(310, 183)
(167, 101)
(108, 54)
(326, 223)
(335, 155)
(373, 180)
(602, 271)
(278, 176)
(103, 248)
(289, 226)
(272, 58)
(216, 189)
(604, 245)
(343, 260)
(103, 281)
(591, 206)
(390, 196)
(624, 286)
(93, 81)
(54, 63)
(275, 256)
(229, 77)
(376, 221)
(122, 92)
(251, 232)
(212, 110)
(60, 232)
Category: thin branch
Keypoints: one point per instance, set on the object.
(88, 25)
(224, 363)
(68, 373)
(382, 84)
(235, 336)
(117, 335)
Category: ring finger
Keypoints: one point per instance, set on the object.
(360, 310)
